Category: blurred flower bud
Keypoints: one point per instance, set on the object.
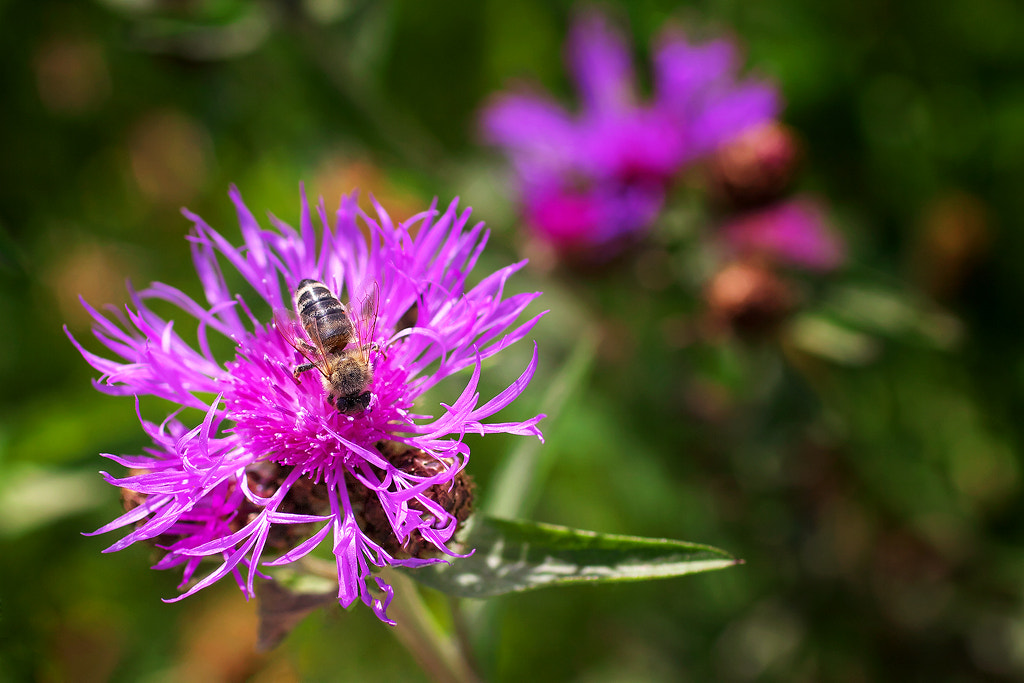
(92, 270)
(170, 154)
(748, 298)
(955, 236)
(757, 167)
(341, 170)
(71, 75)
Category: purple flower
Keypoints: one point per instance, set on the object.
(253, 460)
(793, 232)
(600, 175)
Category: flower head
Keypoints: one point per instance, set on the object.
(255, 461)
(612, 161)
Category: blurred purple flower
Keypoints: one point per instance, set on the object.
(591, 178)
(794, 232)
(201, 489)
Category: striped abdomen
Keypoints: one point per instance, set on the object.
(324, 318)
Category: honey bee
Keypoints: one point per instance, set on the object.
(346, 373)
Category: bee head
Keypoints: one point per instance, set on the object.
(347, 385)
(349, 405)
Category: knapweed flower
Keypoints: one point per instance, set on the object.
(254, 467)
(793, 232)
(599, 176)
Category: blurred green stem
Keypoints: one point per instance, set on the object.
(441, 656)
(405, 137)
(520, 477)
(519, 480)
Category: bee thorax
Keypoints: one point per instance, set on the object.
(350, 375)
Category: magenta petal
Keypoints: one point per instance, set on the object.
(380, 607)
(793, 233)
(599, 59)
(727, 116)
(684, 72)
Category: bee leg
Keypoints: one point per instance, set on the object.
(299, 369)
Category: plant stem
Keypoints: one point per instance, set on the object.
(521, 475)
(441, 656)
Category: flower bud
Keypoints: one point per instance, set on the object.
(757, 167)
(748, 298)
(304, 497)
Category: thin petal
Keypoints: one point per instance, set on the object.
(599, 59)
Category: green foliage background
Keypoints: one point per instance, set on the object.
(878, 504)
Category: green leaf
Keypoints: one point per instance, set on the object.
(851, 322)
(34, 496)
(512, 556)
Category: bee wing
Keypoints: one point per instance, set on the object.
(366, 326)
(286, 325)
(290, 330)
